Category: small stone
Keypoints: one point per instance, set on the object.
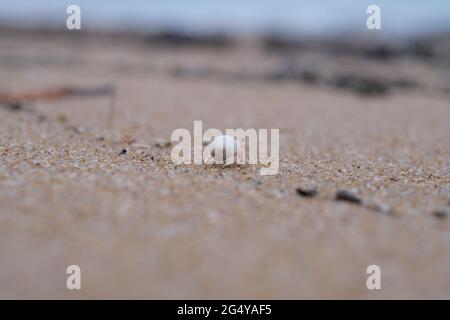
(123, 152)
(380, 207)
(307, 193)
(441, 214)
(344, 195)
(61, 118)
(79, 129)
(14, 106)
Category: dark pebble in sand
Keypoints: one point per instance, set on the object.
(307, 193)
(347, 196)
(440, 214)
(14, 106)
(124, 151)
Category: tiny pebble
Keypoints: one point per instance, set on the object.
(440, 214)
(124, 151)
(344, 195)
(15, 106)
(380, 207)
(307, 193)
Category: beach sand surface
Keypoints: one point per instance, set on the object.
(140, 226)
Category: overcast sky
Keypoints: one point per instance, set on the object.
(310, 17)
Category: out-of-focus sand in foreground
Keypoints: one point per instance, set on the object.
(140, 226)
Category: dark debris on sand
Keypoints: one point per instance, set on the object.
(369, 85)
(347, 196)
(307, 192)
(441, 214)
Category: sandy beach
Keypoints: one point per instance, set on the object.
(82, 185)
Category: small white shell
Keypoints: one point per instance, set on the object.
(223, 149)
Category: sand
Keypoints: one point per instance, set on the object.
(140, 226)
